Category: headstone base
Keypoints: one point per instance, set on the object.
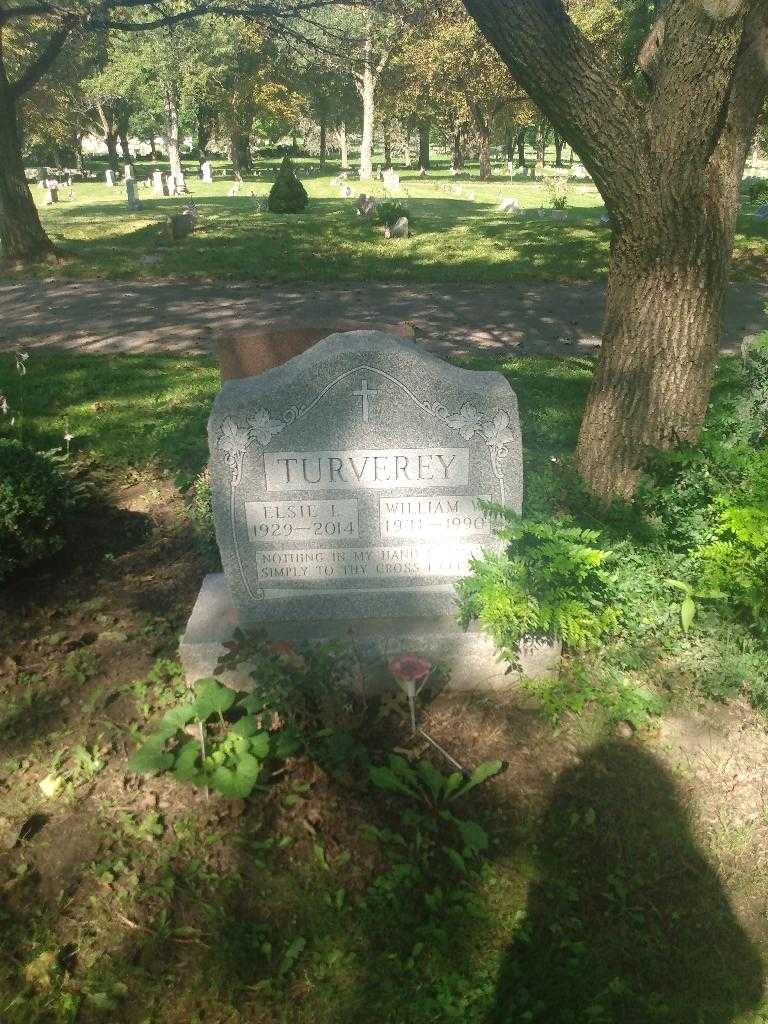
(469, 656)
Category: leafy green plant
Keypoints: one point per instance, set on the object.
(550, 581)
(582, 686)
(390, 211)
(315, 693)
(34, 497)
(227, 754)
(287, 195)
(436, 828)
(557, 192)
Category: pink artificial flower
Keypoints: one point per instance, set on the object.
(410, 668)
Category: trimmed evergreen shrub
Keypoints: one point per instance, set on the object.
(33, 497)
(287, 195)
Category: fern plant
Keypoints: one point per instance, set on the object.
(550, 581)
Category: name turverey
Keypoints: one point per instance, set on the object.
(382, 468)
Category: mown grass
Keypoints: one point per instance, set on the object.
(457, 236)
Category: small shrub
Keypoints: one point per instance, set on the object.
(755, 189)
(390, 211)
(557, 192)
(34, 494)
(287, 195)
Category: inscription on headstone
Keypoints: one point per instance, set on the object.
(347, 482)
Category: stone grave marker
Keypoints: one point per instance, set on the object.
(170, 184)
(128, 172)
(399, 229)
(133, 200)
(109, 178)
(205, 171)
(51, 194)
(158, 183)
(346, 486)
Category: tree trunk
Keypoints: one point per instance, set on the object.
(520, 143)
(424, 145)
(235, 152)
(668, 161)
(642, 399)
(457, 159)
(153, 154)
(21, 232)
(343, 146)
(112, 159)
(323, 138)
(509, 145)
(172, 130)
(387, 147)
(406, 147)
(559, 141)
(484, 147)
(123, 125)
(541, 142)
(78, 148)
(203, 134)
(367, 95)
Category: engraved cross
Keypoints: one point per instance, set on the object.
(364, 394)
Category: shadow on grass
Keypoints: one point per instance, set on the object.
(627, 921)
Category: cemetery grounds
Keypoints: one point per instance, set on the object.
(625, 875)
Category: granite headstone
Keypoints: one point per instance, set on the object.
(346, 490)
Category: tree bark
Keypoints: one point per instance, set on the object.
(406, 146)
(520, 143)
(541, 142)
(457, 157)
(668, 162)
(343, 146)
(559, 142)
(21, 233)
(367, 87)
(484, 148)
(323, 138)
(123, 124)
(424, 158)
(172, 130)
(387, 146)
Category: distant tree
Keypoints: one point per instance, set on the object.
(34, 34)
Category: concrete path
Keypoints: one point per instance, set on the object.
(172, 317)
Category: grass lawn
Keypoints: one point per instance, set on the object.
(457, 236)
(626, 876)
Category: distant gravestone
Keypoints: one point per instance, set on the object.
(128, 172)
(346, 486)
(159, 184)
(51, 196)
(397, 230)
(205, 171)
(391, 180)
(181, 224)
(109, 178)
(133, 200)
(365, 205)
(509, 205)
(170, 184)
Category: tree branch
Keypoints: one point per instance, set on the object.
(45, 58)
